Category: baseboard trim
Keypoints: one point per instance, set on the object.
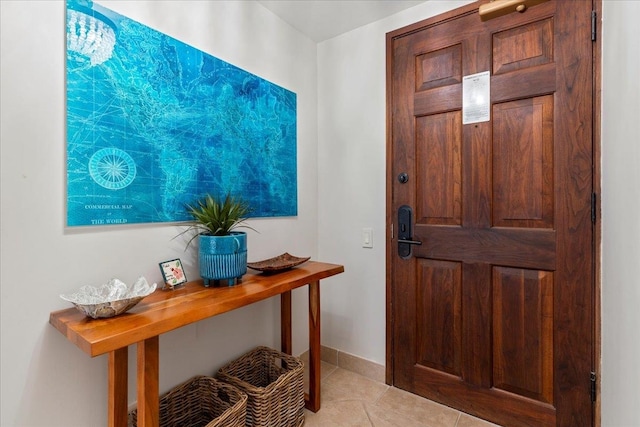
(350, 362)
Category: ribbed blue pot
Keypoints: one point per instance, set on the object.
(222, 257)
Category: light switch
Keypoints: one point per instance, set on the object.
(367, 237)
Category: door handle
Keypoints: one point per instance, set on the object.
(405, 241)
(409, 242)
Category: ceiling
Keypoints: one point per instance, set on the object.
(324, 19)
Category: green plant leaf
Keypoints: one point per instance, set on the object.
(217, 217)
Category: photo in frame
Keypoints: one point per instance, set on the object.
(173, 273)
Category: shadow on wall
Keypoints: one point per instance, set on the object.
(62, 364)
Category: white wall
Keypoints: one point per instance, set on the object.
(620, 214)
(47, 381)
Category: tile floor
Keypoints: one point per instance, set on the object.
(350, 399)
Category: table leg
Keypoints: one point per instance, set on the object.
(313, 402)
(148, 382)
(118, 387)
(285, 322)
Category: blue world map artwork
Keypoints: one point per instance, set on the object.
(154, 124)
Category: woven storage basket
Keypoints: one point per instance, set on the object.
(200, 402)
(273, 382)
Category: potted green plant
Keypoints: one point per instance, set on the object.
(222, 252)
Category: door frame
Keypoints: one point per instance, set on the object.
(596, 186)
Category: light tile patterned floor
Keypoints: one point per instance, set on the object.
(350, 399)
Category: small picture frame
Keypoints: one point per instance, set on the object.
(173, 273)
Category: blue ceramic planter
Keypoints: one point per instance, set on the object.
(222, 257)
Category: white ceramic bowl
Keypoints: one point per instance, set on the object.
(109, 299)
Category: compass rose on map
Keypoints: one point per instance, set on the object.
(112, 168)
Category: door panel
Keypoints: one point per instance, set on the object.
(523, 47)
(497, 302)
(523, 332)
(438, 166)
(439, 303)
(440, 68)
(523, 163)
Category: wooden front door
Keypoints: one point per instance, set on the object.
(493, 312)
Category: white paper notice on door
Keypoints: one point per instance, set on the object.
(476, 98)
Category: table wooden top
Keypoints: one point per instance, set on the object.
(166, 310)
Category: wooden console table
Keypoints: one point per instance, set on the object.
(164, 311)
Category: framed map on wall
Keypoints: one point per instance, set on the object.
(153, 124)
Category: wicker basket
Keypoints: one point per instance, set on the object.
(273, 382)
(200, 402)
